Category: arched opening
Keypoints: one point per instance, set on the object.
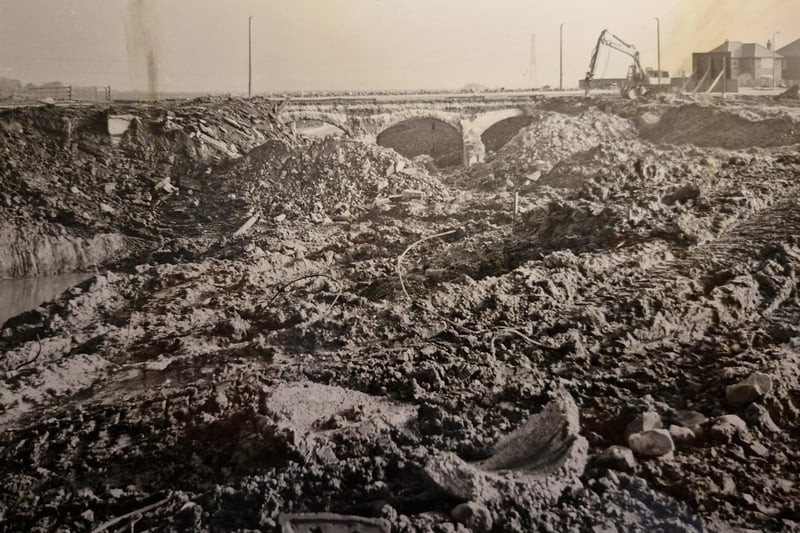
(317, 129)
(497, 135)
(430, 136)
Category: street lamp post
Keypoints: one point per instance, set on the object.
(249, 57)
(773, 57)
(658, 40)
(561, 57)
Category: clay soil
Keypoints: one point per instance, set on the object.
(375, 313)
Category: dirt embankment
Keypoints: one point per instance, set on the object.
(636, 322)
(74, 196)
(723, 127)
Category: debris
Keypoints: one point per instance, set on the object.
(246, 226)
(643, 422)
(618, 458)
(146, 509)
(473, 515)
(331, 523)
(792, 92)
(118, 124)
(534, 464)
(399, 269)
(758, 416)
(726, 427)
(754, 387)
(681, 436)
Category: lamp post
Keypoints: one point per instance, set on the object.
(561, 57)
(773, 57)
(658, 40)
(249, 57)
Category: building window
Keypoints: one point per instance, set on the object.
(766, 62)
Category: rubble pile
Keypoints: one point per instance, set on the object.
(331, 178)
(79, 195)
(550, 138)
(634, 190)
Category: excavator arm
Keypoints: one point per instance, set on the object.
(612, 41)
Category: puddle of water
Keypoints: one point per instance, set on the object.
(20, 295)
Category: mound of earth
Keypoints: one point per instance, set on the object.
(327, 178)
(552, 137)
(616, 192)
(704, 125)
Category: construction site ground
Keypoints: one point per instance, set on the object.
(323, 326)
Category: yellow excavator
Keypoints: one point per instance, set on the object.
(637, 82)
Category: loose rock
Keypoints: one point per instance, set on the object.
(726, 427)
(618, 458)
(652, 443)
(474, 515)
(754, 387)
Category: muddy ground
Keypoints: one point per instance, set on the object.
(329, 327)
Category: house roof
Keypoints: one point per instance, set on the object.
(728, 46)
(791, 50)
(740, 49)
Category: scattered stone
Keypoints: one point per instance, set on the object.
(643, 422)
(690, 419)
(759, 449)
(651, 443)
(618, 458)
(726, 427)
(681, 435)
(475, 516)
(754, 387)
(758, 416)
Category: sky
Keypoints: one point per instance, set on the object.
(202, 45)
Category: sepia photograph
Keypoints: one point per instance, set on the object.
(397, 266)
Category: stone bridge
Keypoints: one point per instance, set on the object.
(367, 118)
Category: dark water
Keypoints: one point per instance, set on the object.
(18, 295)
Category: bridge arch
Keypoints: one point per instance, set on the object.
(334, 119)
(491, 130)
(425, 135)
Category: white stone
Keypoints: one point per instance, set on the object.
(644, 422)
(651, 443)
(681, 435)
(747, 391)
(618, 458)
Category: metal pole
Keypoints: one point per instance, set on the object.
(561, 57)
(658, 37)
(249, 57)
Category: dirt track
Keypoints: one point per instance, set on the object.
(331, 357)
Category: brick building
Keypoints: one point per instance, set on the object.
(791, 61)
(750, 64)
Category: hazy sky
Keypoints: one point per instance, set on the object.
(190, 45)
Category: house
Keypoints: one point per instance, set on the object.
(791, 61)
(748, 64)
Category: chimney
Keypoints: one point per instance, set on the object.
(769, 44)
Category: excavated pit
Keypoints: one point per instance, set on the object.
(325, 334)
